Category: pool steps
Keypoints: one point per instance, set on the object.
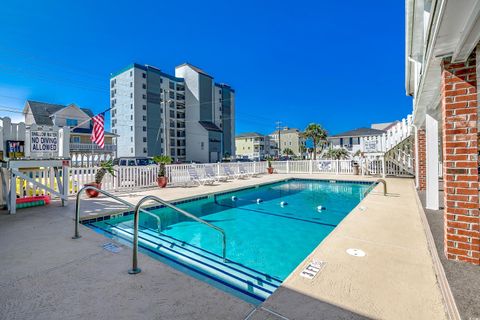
(236, 276)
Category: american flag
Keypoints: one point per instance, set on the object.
(98, 132)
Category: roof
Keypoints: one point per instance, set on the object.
(197, 69)
(384, 125)
(210, 126)
(360, 132)
(249, 134)
(292, 130)
(42, 111)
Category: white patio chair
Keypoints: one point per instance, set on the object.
(231, 174)
(194, 177)
(211, 174)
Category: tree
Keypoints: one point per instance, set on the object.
(288, 152)
(303, 149)
(337, 154)
(317, 134)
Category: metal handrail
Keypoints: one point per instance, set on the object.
(128, 204)
(374, 185)
(135, 269)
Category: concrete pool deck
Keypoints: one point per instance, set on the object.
(44, 274)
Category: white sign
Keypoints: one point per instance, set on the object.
(370, 146)
(312, 269)
(44, 142)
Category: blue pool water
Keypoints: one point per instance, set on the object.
(265, 241)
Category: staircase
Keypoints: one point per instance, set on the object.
(397, 148)
(399, 159)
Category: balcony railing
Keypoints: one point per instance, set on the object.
(92, 147)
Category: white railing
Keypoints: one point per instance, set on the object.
(75, 146)
(132, 178)
(393, 136)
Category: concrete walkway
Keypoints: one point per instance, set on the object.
(44, 274)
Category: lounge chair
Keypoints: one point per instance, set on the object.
(245, 172)
(194, 177)
(211, 174)
(231, 174)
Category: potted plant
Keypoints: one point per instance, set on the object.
(162, 179)
(105, 167)
(269, 165)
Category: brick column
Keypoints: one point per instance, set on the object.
(422, 160)
(460, 153)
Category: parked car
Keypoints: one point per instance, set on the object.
(133, 161)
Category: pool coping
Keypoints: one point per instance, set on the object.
(441, 282)
(123, 212)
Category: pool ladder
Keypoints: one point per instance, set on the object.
(373, 185)
(137, 209)
(128, 204)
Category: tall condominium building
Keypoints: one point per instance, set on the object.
(187, 116)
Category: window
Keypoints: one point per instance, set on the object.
(144, 118)
(131, 150)
(144, 96)
(131, 106)
(144, 129)
(131, 128)
(75, 139)
(144, 75)
(131, 84)
(144, 150)
(202, 145)
(144, 139)
(131, 117)
(131, 95)
(171, 85)
(144, 107)
(113, 83)
(131, 74)
(131, 139)
(72, 122)
(144, 86)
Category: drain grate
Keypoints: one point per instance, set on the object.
(112, 247)
(356, 252)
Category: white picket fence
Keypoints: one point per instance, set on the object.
(132, 178)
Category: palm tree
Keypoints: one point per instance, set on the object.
(337, 154)
(317, 134)
(288, 152)
(303, 149)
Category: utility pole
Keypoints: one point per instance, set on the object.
(279, 128)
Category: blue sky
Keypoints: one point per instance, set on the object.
(338, 63)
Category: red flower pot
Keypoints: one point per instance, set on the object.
(90, 192)
(162, 181)
(270, 170)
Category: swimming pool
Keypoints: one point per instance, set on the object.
(265, 239)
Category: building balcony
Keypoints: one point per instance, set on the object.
(92, 147)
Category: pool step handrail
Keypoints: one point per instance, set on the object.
(128, 204)
(373, 185)
(135, 269)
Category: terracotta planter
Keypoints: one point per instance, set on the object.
(270, 170)
(93, 193)
(162, 181)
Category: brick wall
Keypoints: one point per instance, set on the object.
(460, 153)
(422, 160)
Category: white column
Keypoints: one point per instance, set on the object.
(431, 138)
